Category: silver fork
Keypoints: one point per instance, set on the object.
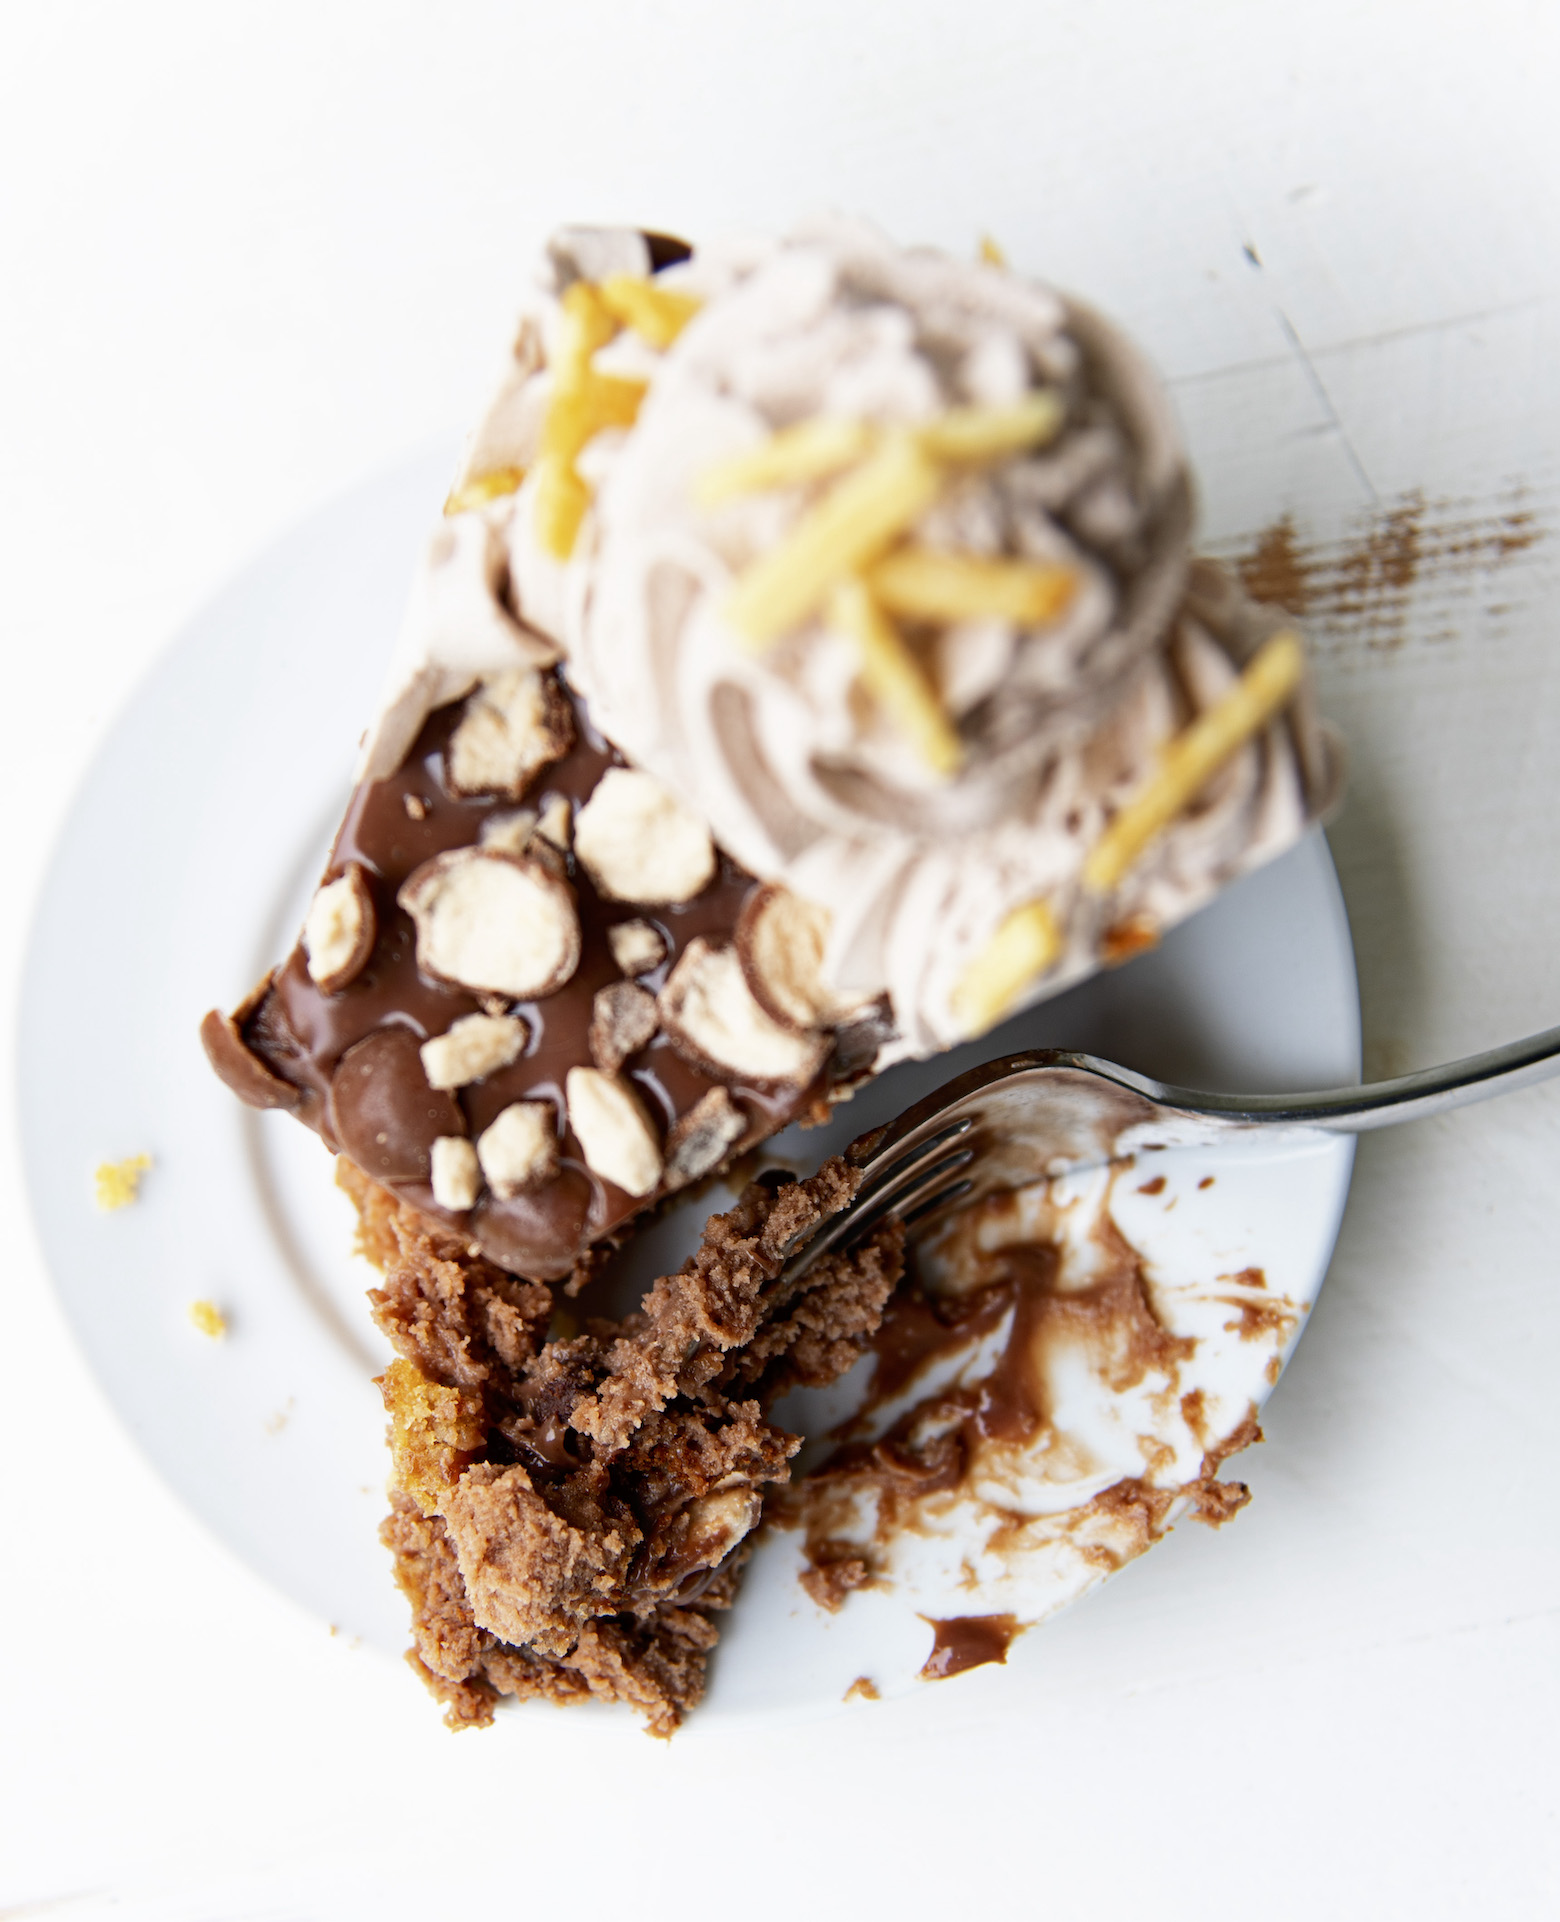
(1026, 1116)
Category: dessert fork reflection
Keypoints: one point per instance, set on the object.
(1026, 1116)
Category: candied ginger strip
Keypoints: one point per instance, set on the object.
(970, 435)
(1190, 761)
(894, 678)
(811, 450)
(923, 584)
(816, 449)
(857, 520)
(657, 314)
(562, 499)
(1025, 946)
(581, 404)
(482, 488)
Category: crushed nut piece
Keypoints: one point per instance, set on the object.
(622, 1020)
(455, 1174)
(702, 1138)
(780, 941)
(339, 930)
(513, 726)
(637, 947)
(508, 833)
(556, 821)
(709, 1012)
(474, 1046)
(416, 807)
(616, 1135)
(115, 1184)
(520, 1148)
(639, 843)
(208, 1319)
(494, 923)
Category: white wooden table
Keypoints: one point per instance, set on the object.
(248, 254)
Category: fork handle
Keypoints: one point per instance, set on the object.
(1375, 1104)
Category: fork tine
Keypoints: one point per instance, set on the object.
(919, 1211)
(899, 1167)
(906, 1191)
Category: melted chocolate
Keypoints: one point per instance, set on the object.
(968, 1641)
(386, 1119)
(929, 1449)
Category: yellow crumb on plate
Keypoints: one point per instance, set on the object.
(991, 252)
(117, 1183)
(208, 1319)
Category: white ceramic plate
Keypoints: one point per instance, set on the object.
(183, 873)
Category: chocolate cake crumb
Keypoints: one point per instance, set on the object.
(569, 1516)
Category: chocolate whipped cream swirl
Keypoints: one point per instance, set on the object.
(802, 778)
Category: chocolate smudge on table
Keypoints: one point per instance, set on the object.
(1359, 587)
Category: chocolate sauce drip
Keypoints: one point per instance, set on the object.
(968, 1641)
(301, 1034)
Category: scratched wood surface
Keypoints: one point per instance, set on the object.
(251, 253)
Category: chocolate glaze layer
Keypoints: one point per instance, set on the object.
(386, 1120)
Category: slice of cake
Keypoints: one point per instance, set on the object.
(808, 671)
(568, 1515)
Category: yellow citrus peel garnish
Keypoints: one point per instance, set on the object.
(894, 678)
(482, 488)
(1190, 761)
(852, 525)
(581, 405)
(812, 450)
(926, 584)
(1026, 945)
(969, 436)
(657, 314)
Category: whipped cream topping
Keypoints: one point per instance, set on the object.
(803, 777)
